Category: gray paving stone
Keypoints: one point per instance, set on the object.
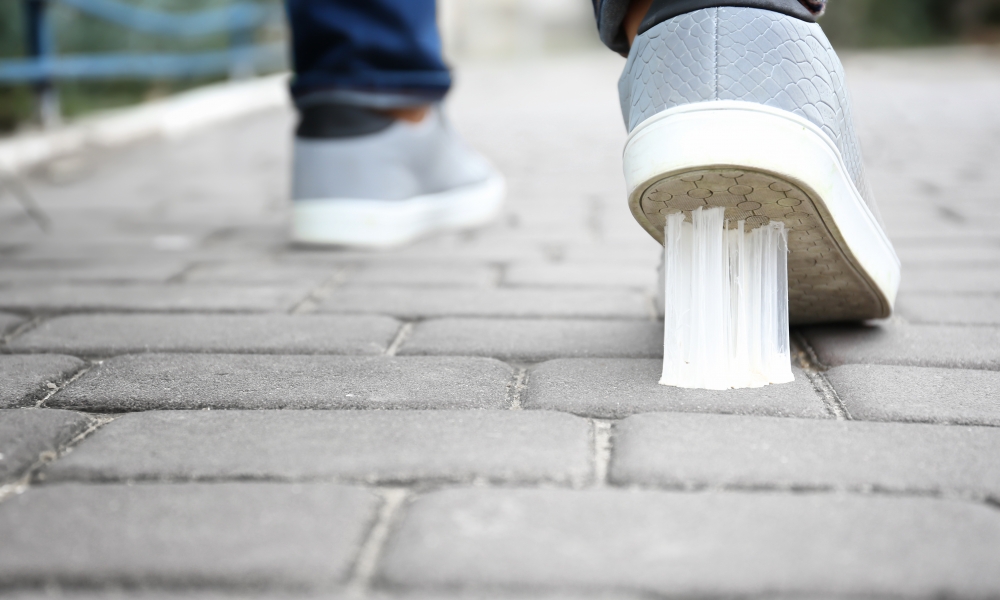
(697, 544)
(424, 275)
(366, 446)
(246, 381)
(643, 251)
(914, 345)
(952, 279)
(237, 534)
(151, 297)
(120, 334)
(642, 276)
(534, 340)
(147, 271)
(415, 303)
(27, 433)
(246, 272)
(26, 378)
(8, 322)
(950, 309)
(54, 593)
(975, 252)
(152, 594)
(762, 452)
(918, 394)
(615, 388)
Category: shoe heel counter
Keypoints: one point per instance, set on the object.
(749, 55)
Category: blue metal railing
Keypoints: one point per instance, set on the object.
(239, 20)
(141, 66)
(245, 16)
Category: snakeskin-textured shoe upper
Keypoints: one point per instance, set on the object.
(744, 54)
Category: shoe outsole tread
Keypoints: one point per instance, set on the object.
(825, 283)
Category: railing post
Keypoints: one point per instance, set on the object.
(41, 47)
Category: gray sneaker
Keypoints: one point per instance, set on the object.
(747, 109)
(366, 180)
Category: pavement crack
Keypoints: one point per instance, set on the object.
(371, 551)
(401, 336)
(602, 451)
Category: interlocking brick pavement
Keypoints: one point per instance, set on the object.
(390, 447)
(136, 382)
(674, 450)
(536, 339)
(190, 407)
(424, 303)
(613, 388)
(109, 334)
(918, 394)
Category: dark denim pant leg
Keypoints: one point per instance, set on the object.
(611, 13)
(373, 53)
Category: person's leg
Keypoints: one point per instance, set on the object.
(375, 162)
(376, 53)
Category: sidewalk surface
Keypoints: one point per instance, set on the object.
(190, 404)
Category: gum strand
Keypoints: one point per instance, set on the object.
(725, 303)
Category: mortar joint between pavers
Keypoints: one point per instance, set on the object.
(315, 297)
(517, 386)
(602, 448)
(181, 275)
(651, 305)
(815, 371)
(32, 473)
(699, 487)
(366, 564)
(58, 387)
(500, 274)
(808, 359)
(595, 217)
(831, 399)
(402, 334)
(23, 328)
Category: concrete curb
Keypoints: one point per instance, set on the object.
(171, 117)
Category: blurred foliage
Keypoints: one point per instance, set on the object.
(893, 23)
(76, 33)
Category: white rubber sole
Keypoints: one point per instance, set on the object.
(380, 224)
(765, 164)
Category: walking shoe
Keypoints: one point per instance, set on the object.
(747, 109)
(364, 179)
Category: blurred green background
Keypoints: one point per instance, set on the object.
(78, 33)
(849, 23)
